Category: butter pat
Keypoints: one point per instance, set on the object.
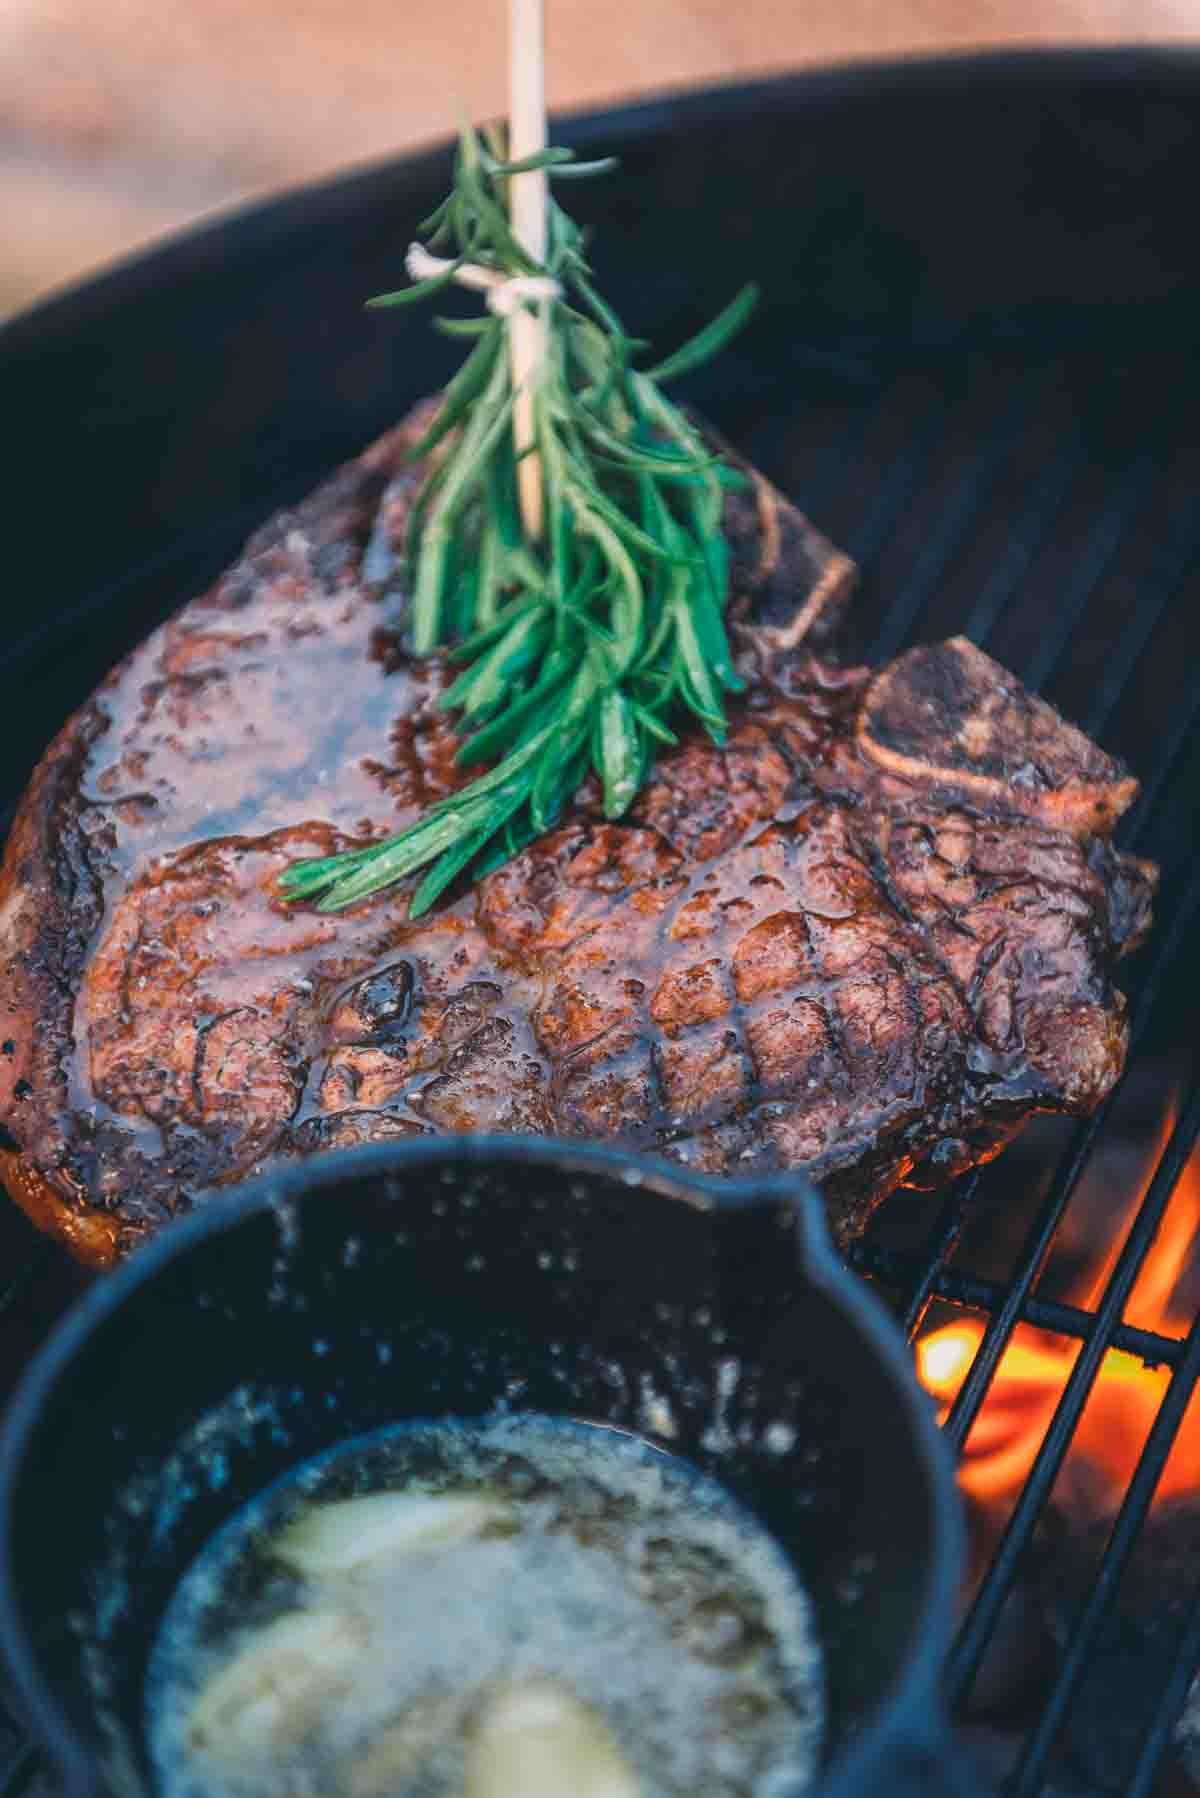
(338, 1539)
(281, 1683)
(537, 1740)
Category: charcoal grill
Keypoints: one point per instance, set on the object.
(977, 368)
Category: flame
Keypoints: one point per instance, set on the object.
(1036, 1365)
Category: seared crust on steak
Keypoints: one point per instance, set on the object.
(866, 938)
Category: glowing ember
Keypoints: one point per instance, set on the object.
(1036, 1365)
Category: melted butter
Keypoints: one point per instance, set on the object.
(507, 1610)
(302, 717)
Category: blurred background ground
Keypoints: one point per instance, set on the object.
(123, 119)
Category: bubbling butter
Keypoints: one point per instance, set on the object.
(514, 1608)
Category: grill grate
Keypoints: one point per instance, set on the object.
(979, 493)
(1042, 519)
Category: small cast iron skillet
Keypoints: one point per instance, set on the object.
(417, 1280)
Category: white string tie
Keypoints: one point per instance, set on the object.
(504, 293)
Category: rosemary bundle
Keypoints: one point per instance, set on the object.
(580, 649)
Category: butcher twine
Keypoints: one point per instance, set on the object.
(504, 293)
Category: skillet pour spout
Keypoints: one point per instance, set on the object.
(457, 1278)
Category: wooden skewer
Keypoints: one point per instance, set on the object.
(527, 328)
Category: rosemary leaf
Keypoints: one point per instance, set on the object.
(431, 565)
(710, 634)
(620, 753)
(582, 171)
(518, 758)
(502, 499)
(462, 391)
(463, 327)
(452, 861)
(650, 458)
(487, 634)
(705, 699)
(420, 290)
(317, 872)
(541, 159)
(590, 498)
(491, 553)
(627, 603)
(496, 735)
(557, 777)
(707, 342)
(411, 849)
(654, 725)
(478, 691)
(510, 841)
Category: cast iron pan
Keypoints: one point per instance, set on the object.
(426, 1279)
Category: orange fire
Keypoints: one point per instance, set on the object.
(1034, 1368)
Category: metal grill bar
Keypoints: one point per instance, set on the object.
(1170, 1703)
(974, 1293)
(1093, 565)
(1183, 731)
(941, 1243)
(899, 485)
(975, 1632)
(1130, 1518)
(1143, 622)
(825, 480)
(952, 530)
(1031, 532)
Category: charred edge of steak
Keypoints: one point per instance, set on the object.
(783, 572)
(51, 905)
(948, 709)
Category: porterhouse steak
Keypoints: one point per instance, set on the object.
(866, 938)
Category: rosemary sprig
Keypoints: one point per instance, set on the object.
(579, 651)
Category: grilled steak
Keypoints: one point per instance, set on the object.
(866, 938)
